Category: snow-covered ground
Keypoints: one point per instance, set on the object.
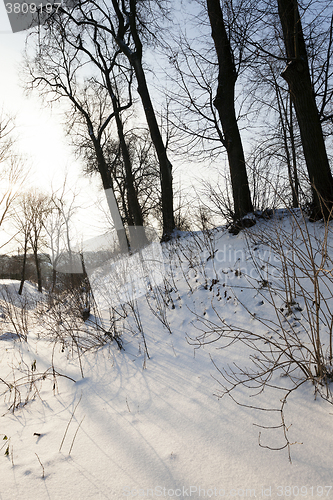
(139, 427)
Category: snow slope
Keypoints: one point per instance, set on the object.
(134, 427)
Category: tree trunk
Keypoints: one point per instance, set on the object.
(286, 126)
(225, 105)
(135, 58)
(23, 269)
(297, 75)
(54, 279)
(165, 165)
(134, 209)
(293, 153)
(108, 187)
(38, 271)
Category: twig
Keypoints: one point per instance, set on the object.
(63, 439)
(75, 436)
(43, 475)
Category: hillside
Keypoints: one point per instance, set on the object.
(148, 420)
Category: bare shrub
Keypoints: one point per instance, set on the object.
(219, 199)
(158, 301)
(290, 342)
(16, 312)
(62, 321)
(25, 384)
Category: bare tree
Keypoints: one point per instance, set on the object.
(225, 104)
(23, 225)
(127, 22)
(297, 75)
(13, 173)
(145, 172)
(90, 116)
(204, 105)
(58, 227)
(277, 147)
(34, 208)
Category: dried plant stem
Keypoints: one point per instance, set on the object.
(70, 449)
(63, 439)
(43, 475)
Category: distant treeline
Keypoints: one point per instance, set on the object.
(11, 267)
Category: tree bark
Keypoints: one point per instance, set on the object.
(165, 164)
(225, 105)
(135, 58)
(108, 186)
(54, 279)
(38, 271)
(297, 75)
(105, 177)
(294, 157)
(286, 121)
(23, 269)
(134, 209)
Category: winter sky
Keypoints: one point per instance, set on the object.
(40, 136)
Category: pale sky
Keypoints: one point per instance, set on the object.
(40, 136)
(39, 133)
